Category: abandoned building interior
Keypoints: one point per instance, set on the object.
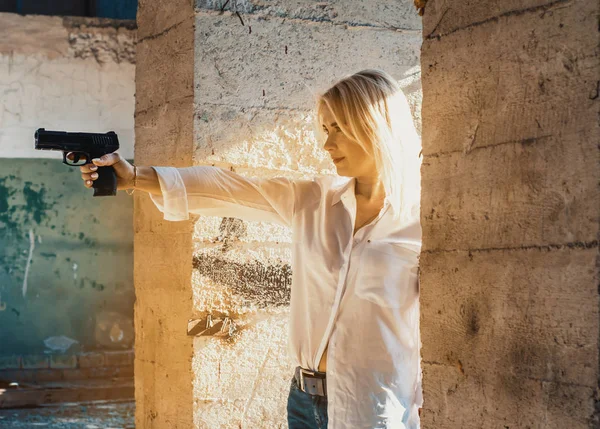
(185, 324)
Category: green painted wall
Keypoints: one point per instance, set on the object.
(80, 279)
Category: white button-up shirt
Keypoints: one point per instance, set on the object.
(356, 295)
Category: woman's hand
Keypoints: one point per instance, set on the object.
(123, 170)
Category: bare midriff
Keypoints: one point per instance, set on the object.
(323, 363)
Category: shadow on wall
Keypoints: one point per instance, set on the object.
(66, 262)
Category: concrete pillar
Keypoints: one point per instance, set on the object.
(255, 69)
(162, 249)
(510, 214)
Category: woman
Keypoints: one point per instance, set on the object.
(354, 329)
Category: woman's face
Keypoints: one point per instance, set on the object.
(349, 157)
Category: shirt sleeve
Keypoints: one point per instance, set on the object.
(213, 191)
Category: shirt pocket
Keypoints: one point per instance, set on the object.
(388, 275)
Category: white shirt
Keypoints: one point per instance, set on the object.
(358, 295)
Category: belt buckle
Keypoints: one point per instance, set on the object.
(314, 385)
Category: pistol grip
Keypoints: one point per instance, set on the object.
(106, 183)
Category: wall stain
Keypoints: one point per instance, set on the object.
(91, 283)
(263, 285)
(6, 211)
(20, 217)
(470, 312)
(36, 203)
(528, 360)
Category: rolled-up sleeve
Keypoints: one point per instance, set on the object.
(212, 191)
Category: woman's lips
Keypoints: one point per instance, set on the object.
(336, 160)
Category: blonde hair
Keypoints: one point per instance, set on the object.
(372, 110)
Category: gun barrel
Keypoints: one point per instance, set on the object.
(65, 141)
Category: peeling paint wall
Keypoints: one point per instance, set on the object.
(510, 215)
(65, 257)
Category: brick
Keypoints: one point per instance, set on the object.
(164, 69)
(124, 371)
(91, 360)
(35, 362)
(97, 373)
(234, 67)
(63, 361)
(78, 373)
(20, 375)
(10, 362)
(393, 14)
(44, 375)
(120, 358)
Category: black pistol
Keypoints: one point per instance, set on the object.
(79, 149)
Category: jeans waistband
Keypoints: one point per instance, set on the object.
(311, 382)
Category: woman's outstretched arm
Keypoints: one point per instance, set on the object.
(203, 190)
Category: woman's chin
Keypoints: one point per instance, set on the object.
(341, 171)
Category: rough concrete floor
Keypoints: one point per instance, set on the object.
(93, 415)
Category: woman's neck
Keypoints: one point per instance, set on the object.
(370, 189)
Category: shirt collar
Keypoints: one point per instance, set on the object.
(346, 188)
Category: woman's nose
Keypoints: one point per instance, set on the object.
(329, 144)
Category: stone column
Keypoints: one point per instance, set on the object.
(510, 211)
(162, 249)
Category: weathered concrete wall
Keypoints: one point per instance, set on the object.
(64, 73)
(510, 214)
(76, 75)
(163, 250)
(258, 67)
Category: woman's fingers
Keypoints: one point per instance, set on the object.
(88, 179)
(88, 168)
(123, 169)
(108, 159)
(89, 176)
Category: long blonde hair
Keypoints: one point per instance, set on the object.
(372, 110)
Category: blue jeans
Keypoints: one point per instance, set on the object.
(306, 411)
